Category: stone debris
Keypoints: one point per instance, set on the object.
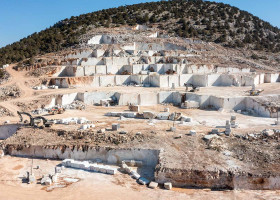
(268, 133)
(9, 92)
(5, 112)
(209, 137)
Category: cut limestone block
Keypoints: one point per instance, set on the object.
(135, 175)
(54, 178)
(46, 181)
(153, 185)
(186, 119)
(115, 127)
(166, 109)
(111, 171)
(67, 162)
(31, 179)
(102, 169)
(168, 186)
(192, 132)
(1, 153)
(58, 169)
(126, 168)
(134, 108)
(163, 116)
(233, 118)
(143, 181)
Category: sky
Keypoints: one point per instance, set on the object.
(20, 18)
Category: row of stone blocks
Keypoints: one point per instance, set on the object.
(85, 165)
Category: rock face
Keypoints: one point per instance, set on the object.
(217, 179)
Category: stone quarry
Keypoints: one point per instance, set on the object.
(149, 107)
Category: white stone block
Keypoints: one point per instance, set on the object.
(168, 186)
(111, 171)
(143, 181)
(153, 185)
(135, 175)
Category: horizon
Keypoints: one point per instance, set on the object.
(21, 22)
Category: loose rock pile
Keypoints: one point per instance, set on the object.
(9, 92)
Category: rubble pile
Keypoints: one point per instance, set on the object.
(75, 105)
(263, 135)
(9, 92)
(99, 138)
(5, 77)
(5, 112)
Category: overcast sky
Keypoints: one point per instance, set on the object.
(20, 18)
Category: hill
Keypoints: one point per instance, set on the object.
(208, 21)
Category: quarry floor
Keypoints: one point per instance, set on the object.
(182, 153)
(100, 186)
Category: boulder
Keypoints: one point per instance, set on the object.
(149, 115)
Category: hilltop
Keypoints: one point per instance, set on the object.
(207, 21)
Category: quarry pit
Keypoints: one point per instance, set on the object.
(135, 102)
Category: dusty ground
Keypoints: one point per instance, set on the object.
(100, 186)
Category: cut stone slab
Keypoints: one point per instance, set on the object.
(31, 179)
(58, 169)
(134, 108)
(163, 116)
(143, 181)
(1, 153)
(186, 119)
(135, 175)
(168, 186)
(192, 132)
(46, 181)
(115, 127)
(153, 185)
(215, 131)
